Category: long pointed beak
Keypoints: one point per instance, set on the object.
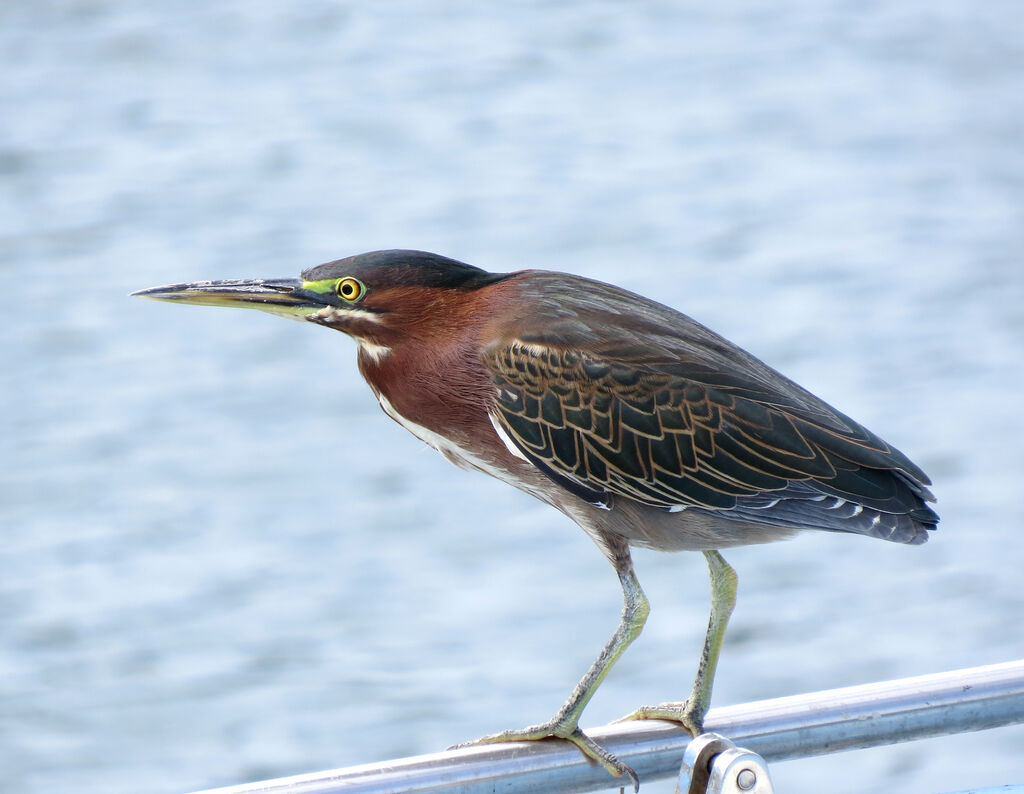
(285, 297)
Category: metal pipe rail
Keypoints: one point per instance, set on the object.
(853, 717)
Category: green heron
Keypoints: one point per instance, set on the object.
(638, 423)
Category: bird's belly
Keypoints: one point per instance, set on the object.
(686, 530)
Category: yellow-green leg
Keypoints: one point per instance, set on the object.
(565, 723)
(723, 598)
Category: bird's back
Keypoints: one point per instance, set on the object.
(619, 399)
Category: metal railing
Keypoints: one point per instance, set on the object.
(798, 726)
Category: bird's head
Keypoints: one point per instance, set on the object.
(377, 298)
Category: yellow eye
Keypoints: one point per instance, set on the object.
(350, 289)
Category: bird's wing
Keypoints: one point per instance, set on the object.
(690, 430)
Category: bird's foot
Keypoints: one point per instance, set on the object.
(570, 731)
(690, 717)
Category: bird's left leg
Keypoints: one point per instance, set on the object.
(723, 598)
(565, 723)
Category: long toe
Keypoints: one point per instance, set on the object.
(682, 713)
(592, 749)
(562, 730)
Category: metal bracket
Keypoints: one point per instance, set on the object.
(714, 765)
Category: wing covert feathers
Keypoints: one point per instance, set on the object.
(681, 434)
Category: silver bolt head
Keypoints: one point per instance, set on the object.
(746, 779)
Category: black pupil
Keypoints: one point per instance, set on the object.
(348, 289)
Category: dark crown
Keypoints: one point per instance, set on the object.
(398, 267)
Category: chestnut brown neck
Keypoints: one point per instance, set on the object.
(424, 358)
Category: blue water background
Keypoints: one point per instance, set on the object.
(221, 562)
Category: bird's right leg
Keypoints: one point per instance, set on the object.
(565, 723)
